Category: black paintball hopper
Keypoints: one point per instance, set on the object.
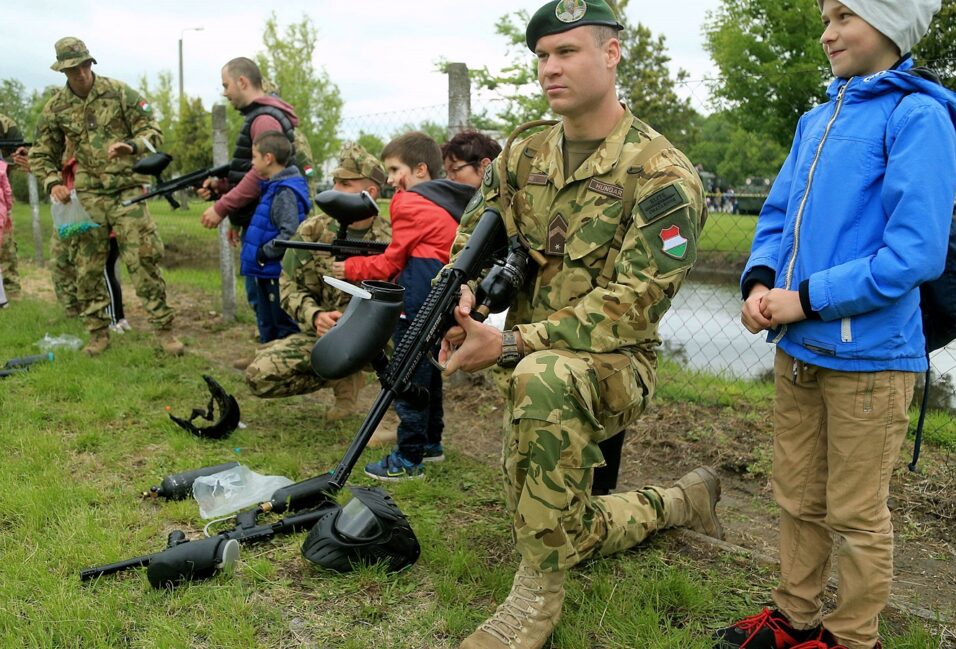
(223, 424)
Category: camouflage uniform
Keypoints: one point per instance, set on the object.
(8, 249)
(283, 367)
(589, 321)
(111, 112)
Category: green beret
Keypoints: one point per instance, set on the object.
(562, 15)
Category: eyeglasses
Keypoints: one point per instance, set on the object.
(454, 171)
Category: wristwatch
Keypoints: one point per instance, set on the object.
(509, 350)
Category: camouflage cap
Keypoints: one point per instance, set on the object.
(563, 15)
(70, 52)
(356, 162)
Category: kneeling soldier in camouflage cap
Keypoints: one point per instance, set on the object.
(282, 368)
(611, 213)
(108, 124)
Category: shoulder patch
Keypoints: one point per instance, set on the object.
(488, 179)
(661, 202)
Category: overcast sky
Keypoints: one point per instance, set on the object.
(382, 55)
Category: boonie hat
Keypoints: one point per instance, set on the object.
(563, 15)
(70, 52)
(356, 162)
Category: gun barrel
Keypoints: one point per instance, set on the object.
(342, 248)
(119, 566)
(193, 179)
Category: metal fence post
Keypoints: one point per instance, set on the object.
(37, 229)
(459, 98)
(227, 272)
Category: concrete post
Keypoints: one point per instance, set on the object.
(227, 268)
(37, 229)
(459, 98)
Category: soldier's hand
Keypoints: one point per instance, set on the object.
(324, 320)
(21, 159)
(338, 269)
(117, 149)
(750, 313)
(60, 193)
(210, 218)
(456, 335)
(480, 348)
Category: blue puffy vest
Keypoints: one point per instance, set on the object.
(261, 229)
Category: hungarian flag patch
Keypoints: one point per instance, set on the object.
(674, 245)
(143, 106)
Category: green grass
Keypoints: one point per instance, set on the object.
(82, 439)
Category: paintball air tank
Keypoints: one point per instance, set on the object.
(180, 485)
(24, 362)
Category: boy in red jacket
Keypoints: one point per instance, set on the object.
(425, 216)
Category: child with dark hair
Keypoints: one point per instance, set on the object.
(425, 215)
(284, 201)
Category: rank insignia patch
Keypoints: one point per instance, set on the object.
(557, 235)
(674, 245)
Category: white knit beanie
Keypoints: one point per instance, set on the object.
(903, 22)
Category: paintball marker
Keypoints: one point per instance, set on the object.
(23, 363)
(156, 163)
(13, 144)
(347, 209)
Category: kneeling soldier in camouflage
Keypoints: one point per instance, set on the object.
(282, 368)
(610, 213)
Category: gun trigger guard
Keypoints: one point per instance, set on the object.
(435, 363)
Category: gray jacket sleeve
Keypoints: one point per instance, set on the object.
(285, 216)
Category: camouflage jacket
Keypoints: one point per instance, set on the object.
(112, 112)
(609, 275)
(8, 131)
(301, 289)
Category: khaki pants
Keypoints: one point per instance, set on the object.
(837, 436)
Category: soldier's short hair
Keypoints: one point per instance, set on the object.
(414, 148)
(470, 146)
(603, 33)
(276, 143)
(243, 67)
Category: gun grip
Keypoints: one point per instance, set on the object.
(172, 201)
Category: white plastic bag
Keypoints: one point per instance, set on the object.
(63, 341)
(229, 491)
(70, 219)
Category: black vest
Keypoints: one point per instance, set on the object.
(242, 155)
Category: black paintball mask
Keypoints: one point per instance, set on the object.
(369, 529)
(222, 424)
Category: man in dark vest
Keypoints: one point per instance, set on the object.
(239, 193)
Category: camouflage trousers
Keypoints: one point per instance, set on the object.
(8, 263)
(561, 404)
(140, 249)
(63, 271)
(283, 368)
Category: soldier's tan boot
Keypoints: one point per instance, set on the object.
(170, 344)
(346, 397)
(692, 502)
(385, 435)
(528, 615)
(99, 341)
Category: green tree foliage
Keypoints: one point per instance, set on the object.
(15, 103)
(287, 61)
(938, 48)
(644, 80)
(193, 137)
(772, 68)
(734, 153)
(435, 131)
(371, 143)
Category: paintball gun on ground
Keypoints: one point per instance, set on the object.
(377, 307)
(23, 363)
(347, 209)
(154, 165)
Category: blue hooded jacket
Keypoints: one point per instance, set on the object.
(858, 217)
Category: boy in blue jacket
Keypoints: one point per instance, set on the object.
(857, 219)
(284, 201)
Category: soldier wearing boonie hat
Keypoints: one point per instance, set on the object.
(611, 212)
(563, 15)
(355, 162)
(70, 52)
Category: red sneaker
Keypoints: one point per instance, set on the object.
(766, 630)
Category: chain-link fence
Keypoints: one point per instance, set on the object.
(705, 343)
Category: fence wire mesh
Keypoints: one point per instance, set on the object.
(704, 342)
